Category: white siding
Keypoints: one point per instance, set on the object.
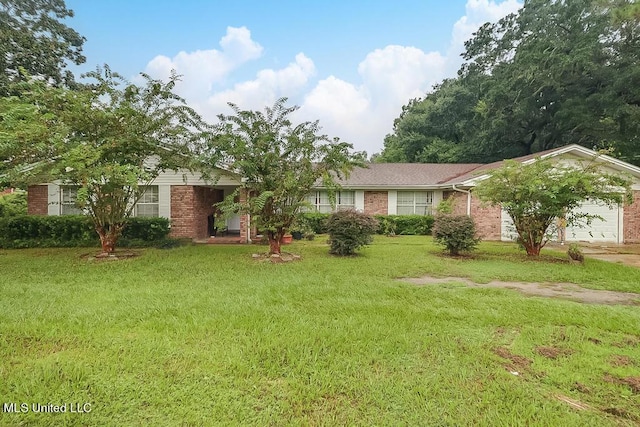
(53, 207)
(359, 205)
(164, 201)
(184, 177)
(392, 202)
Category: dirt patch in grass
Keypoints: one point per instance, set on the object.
(553, 290)
(115, 256)
(617, 360)
(276, 258)
(631, 341)
(553, 352)
(632, 382)
(516, 362)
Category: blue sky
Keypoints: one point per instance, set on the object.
(350, 64)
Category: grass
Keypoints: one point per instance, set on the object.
(204, 335)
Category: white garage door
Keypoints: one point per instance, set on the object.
(609, 230)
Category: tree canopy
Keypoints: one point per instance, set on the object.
(109, 139)
(557, 72)
(537, 194)
(34, 37)
(280, 162)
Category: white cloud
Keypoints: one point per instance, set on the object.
(477, 12)
(363, 114)
(265, 89)
(359, 112)
(202, 69)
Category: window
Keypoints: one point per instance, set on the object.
(68, 198)
(414, 202)
(320, 201)
(148, 203)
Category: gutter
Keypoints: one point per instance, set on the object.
(468, 193)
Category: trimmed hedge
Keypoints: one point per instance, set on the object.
(32, 231)
(411, 225)
(400, 224)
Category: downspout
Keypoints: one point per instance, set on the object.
(468, 193)
(249, 228)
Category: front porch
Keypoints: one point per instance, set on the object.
(194, 216)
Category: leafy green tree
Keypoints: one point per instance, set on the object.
(434, 129)
(555, 73)
(34, 37)
(280, 163)
(536, 194)
(111, 140)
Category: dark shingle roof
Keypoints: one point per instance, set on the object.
(406, 174)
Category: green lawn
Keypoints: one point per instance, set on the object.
(204, 335)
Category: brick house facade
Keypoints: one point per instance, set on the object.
(379, 189)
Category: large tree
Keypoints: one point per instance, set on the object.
(557, 72)
(280, 162)
(110, 139)
(537, 194)
(34, 37)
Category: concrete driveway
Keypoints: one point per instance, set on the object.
(624, 254)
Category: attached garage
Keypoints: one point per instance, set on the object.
(607, 230)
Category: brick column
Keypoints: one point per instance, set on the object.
(38, 200)
(631, 222)
(243, 217)
(182, 211)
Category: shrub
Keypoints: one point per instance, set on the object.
(313, 221)
(455, 232)
(13, 204)
(387, 225)
(32, 231)
(412, 225)
(349, 230)
(575, 253)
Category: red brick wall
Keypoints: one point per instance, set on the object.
(376, 202)
(182, 212)
(190, 207)
(631, 223)
(459, 203)
(488, 219)
(38, 200)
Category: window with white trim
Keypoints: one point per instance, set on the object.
(414, 202)
(148, 205)
(68, 200)
(321, 202)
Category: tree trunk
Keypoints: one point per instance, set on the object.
(108, 238)
(532, 249)
(275, 241)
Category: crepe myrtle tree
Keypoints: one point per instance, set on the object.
(537, 194)
(280, 162)
(110, 139)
